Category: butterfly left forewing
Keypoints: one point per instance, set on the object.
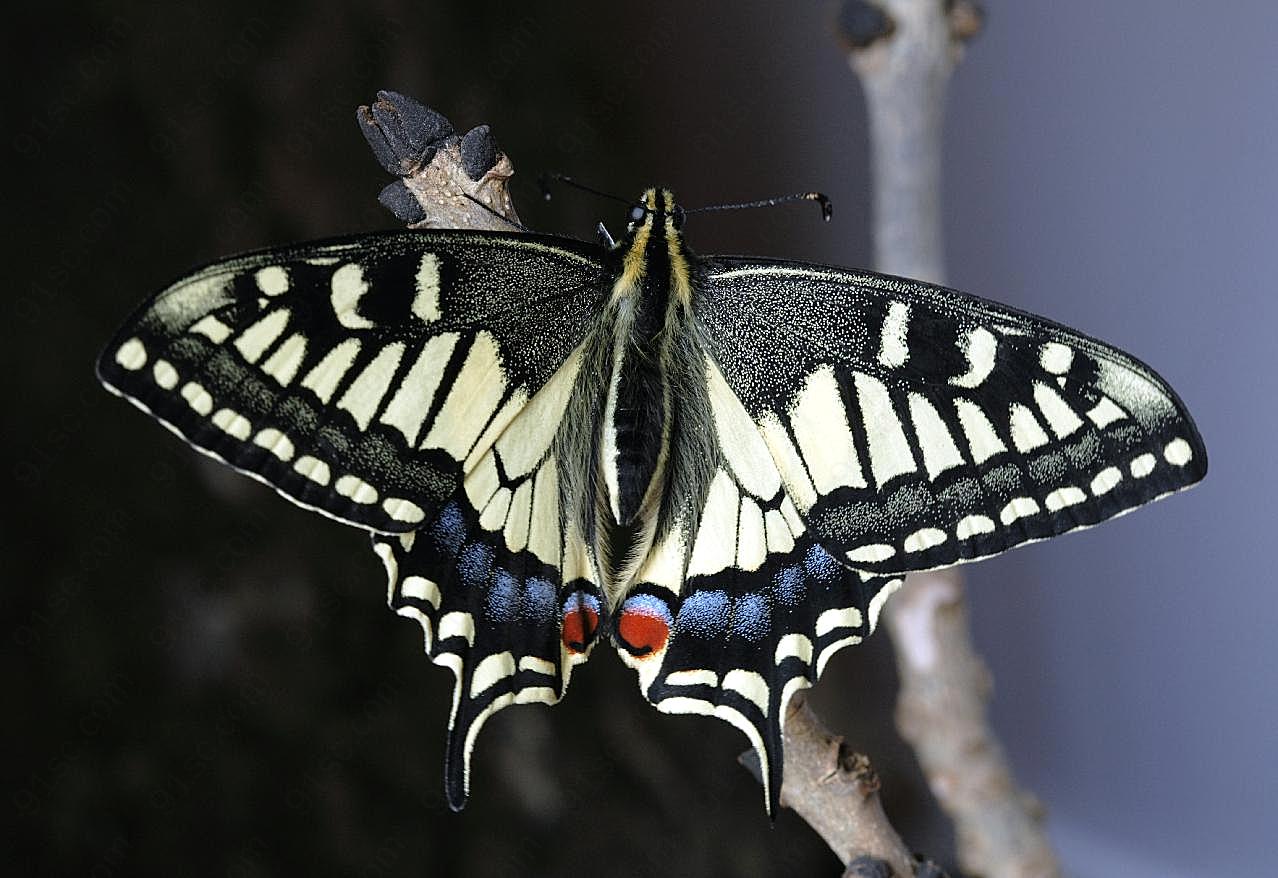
(915, 426)
(364, 376)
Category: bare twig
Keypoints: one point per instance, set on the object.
(904, 52)
(836, 791)
(446, 181)
(941, 712)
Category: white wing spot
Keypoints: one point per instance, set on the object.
(980, 349)
(365, 393)
(742, 444)
(212, 329)
(494, 515)
(233, 423)
(981, 438)
(457, 624)
(836, 618)
(328, 373)
(1060, 417)
(1056, 357)
(472, 400)
(422, 589)
(537, 665)
(972, 525)
(780, 540)
(197, 397)
(939, 451)
(348, 287)
(924, 539)
(1021, 507)
(1027, 434)
(516, 530)
(403, 510)
(287, 359)
(312, 468)
(491, 671)
(272, 280)
(1142, 465)
(716, 541)
(131, 355)
(411, 403)
(890, 454)
(1105, 412)
(880, 598)
(356, 489)
(820, 425)
(254, 341)
(893, 349)
(694, 677)
(749, 685)
(793, 646)
(1063, 497)
(165, 375)
(1178, 452)
(752, 544)
(1106, 480)
(543, 528)
(426, 299)
(871, 553)
(276, 443)
(832, 649)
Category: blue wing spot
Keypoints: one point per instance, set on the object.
(704, 613)
(475, 563)
(790, 585)
(751, 617)
(539, 600)
(449, 530)
(502, 599)
(821, 566)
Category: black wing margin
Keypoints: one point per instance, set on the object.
(363, 376)
(916, 426)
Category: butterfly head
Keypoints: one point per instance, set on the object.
(656, 208)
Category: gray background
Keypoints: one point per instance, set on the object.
(201, 679)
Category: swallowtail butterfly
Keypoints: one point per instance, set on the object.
(721, 465)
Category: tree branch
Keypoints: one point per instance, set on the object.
(904, 52)
(836, 791)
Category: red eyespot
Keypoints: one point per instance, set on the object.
(581, 621)
(644, 625)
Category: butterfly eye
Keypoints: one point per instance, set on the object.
(637, 213)
(677, 217)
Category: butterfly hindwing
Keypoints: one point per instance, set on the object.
(733, 614)
(916, 426)
(504, 586)
(737, 605)
(362, 376)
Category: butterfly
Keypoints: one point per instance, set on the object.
(722, 465)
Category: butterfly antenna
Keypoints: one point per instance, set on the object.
(546, 179)
(497, 213)
(827, 210)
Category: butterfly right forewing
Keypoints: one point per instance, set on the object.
(916, 426)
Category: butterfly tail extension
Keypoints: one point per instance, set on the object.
(495, 609)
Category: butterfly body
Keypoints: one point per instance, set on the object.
(723, 465)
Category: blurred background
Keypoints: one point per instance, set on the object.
(204, 680)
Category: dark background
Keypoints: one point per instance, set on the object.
(202, 679)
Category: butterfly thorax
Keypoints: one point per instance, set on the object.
(650, 304)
